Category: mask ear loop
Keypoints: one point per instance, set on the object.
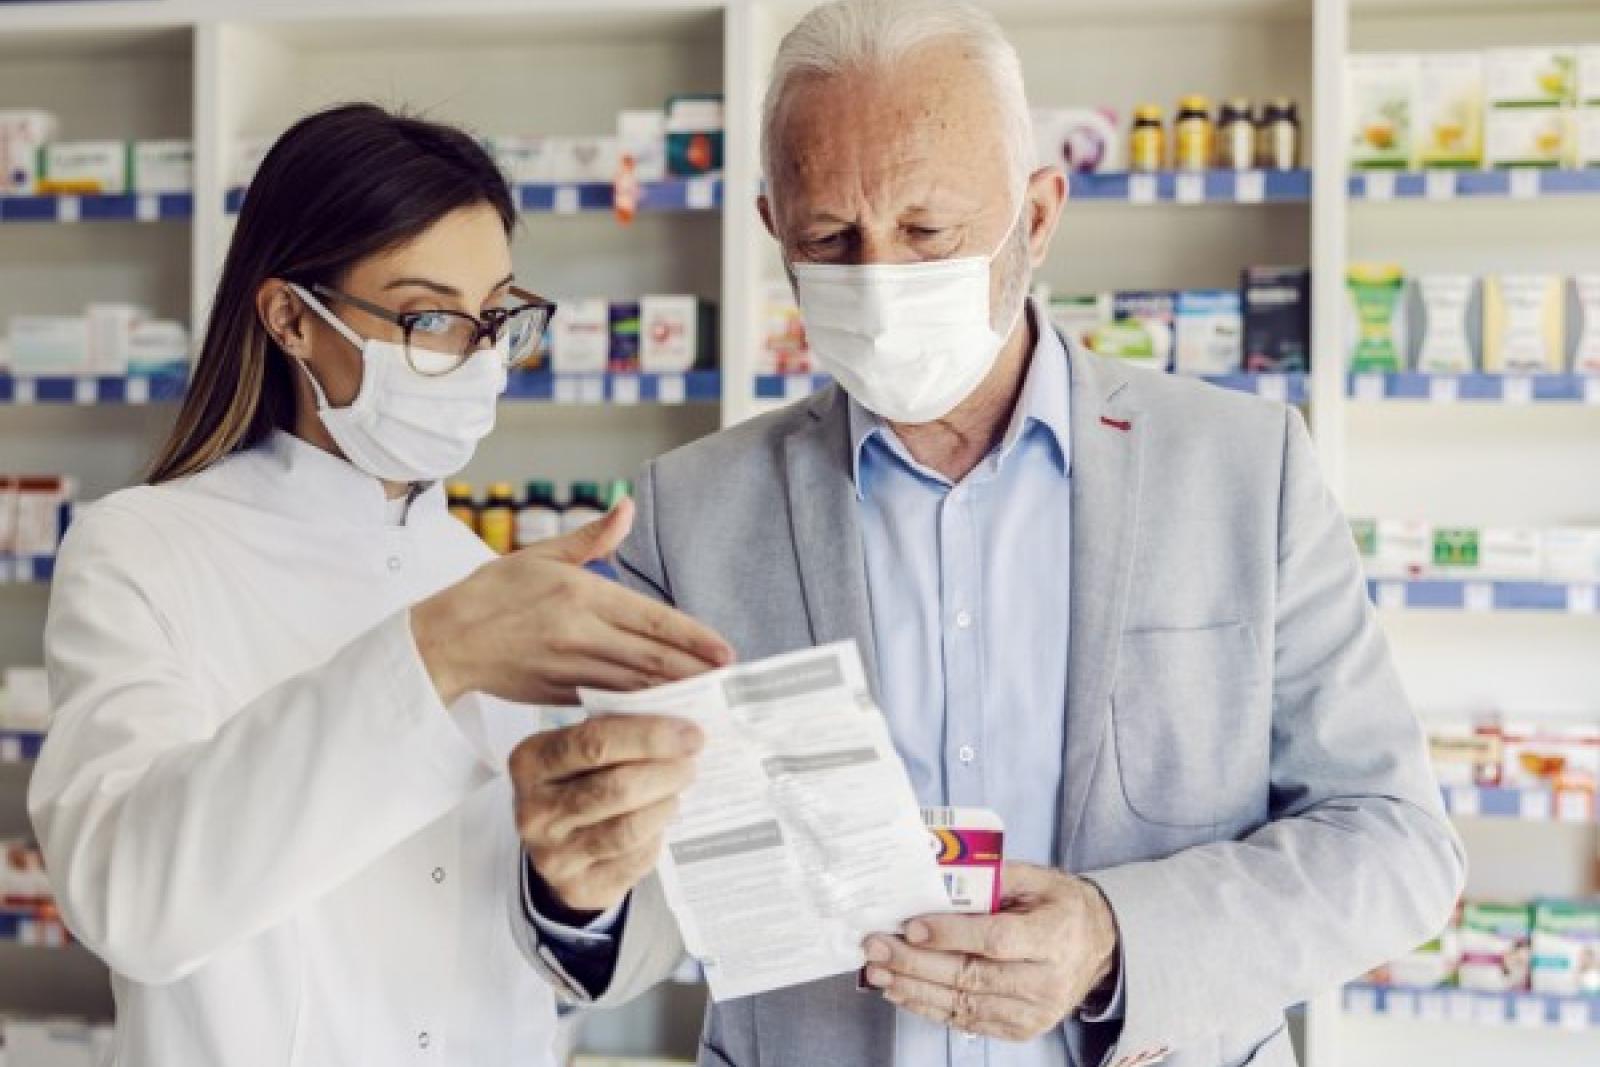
(338, 325)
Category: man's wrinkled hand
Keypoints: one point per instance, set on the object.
(1014, 975)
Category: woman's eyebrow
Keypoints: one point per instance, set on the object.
(439, 287)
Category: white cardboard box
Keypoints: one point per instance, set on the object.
(42, 345)
(1530, 77)
(668, 333)
(163, 166)
(84, 166)
(580, 337)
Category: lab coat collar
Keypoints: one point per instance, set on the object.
(302, 480)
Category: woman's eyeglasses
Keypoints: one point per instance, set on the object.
(437, 342)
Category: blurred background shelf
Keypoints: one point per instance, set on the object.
(1526, 805)
(149, 207)
(1477, 388)
(1478, 595)
(89, 390)
(622, 390)
(1466, 1007)
(1447, 185)
(26, 570)
(1195, 187)
(573, 198)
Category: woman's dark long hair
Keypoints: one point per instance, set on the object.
(339, 186)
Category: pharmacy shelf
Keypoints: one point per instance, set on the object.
(1287, 388)
(25, 928)
(1477, 595)
(20, 746)
(26, 570)
(1196, 187)
(1527, 805)
(147, 207)
(1478, 388)
(574, 198)
(622, 390)
(1464, 1006)
(1527, 183)
(87, 390)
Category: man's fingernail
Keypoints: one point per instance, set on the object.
(877, 952)
(917, 933)
(879, 977)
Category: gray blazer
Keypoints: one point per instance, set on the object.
(1244, 778)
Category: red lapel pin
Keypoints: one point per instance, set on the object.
(1117, 424)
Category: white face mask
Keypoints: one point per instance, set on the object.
(910, 341)
(404, 426)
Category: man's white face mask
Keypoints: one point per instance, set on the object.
(404, 426)
(910, 341)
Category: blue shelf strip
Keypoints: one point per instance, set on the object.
(20, 746)
(24, 570)
(25, 928)
(1462, 594)
(89, 389)
(1476, 184)
(131, 207)
(1291, 388)
(1477, 388)
(695, 387)
(1213, 186)
(673, 194)
(1467, 1006)
(1532, 805)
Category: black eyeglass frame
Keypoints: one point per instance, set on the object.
(485, 327)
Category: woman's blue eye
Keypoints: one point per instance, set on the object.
(431, 322)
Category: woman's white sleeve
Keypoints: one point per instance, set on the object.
(171, 829)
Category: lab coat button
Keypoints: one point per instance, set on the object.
(967, 754)
(394, 563)
(438, 875)
(423, 1040)
(964, 619)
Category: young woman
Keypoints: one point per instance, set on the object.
(275, 795)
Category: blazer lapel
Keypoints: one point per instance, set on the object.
(826, 530)
(1107, 444)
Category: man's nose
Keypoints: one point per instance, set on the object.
(881, 247)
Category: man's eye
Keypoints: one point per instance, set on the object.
(923, 232)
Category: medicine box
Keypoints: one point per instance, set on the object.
(1511, 553)
(1566, 948)
(158, 346)
(694, 135)
(1277, 318)
(1380, 92)
(111, 329)
(1589, 75)
(1078, 318)
(1140, 330)
(784, 349)
(1530, 77)
(84, 167)
(521, 159)
(1376, 317)
(1078, 139)
(1210, 331)
(244, 158)
(1495, 947)
(1456, 549)
(582, 159)
(624, 327)
(643, 135)
(580, 337)
(676, 333)
(1530, 137)
(1572, 554)
(1523, 324)
(1445, 304)
(1449, 110)
(43, 345)
(163, 167)
(1586, 138)
(1586, 290)
(31, 513)
(1404, 548)
(22, 134)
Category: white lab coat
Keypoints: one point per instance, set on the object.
(253, 805)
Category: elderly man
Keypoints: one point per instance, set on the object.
(1119, 608)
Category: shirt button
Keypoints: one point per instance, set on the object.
(967, 753)
(964, 619)
(394, 563)
(424, 1040)
(438, 875)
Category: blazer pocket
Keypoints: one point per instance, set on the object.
(1193, 748)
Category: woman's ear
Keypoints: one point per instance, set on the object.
(285, 317)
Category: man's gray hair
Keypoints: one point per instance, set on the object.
(845, 36)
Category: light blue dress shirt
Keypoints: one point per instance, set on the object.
(968, 585)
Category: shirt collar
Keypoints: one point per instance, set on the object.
(296, 477)
(1045, 402)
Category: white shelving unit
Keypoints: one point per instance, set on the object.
(1476, 449)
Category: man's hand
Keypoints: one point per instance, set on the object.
(1014, 975)
(594, 800)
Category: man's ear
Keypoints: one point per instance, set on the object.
(1046, 194)
(285, 317)
(764, 208)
